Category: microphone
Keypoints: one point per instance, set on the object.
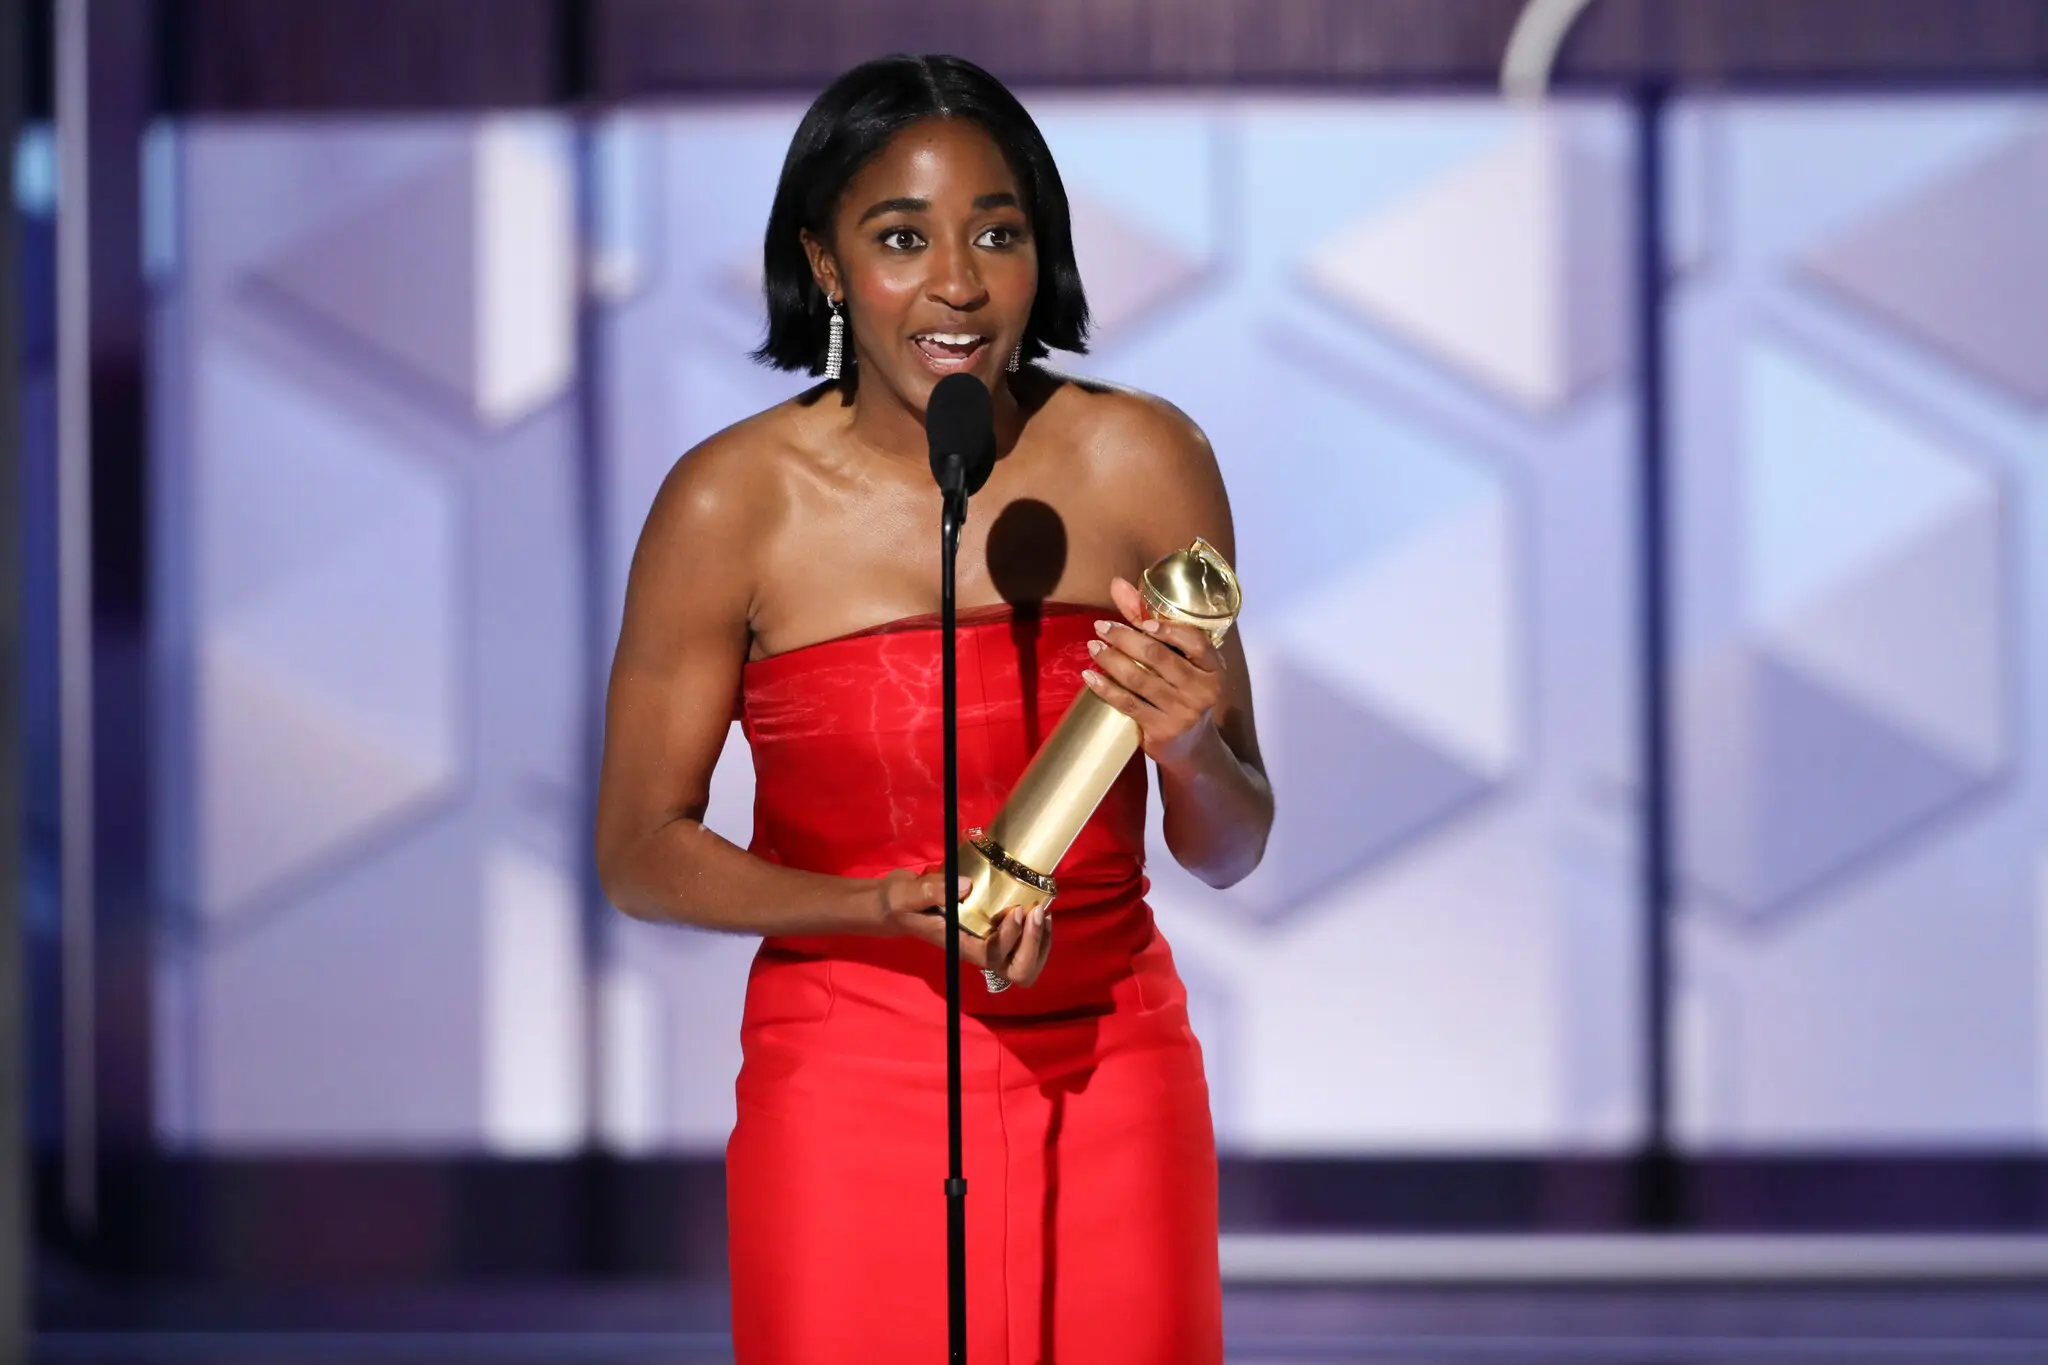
(960, 425)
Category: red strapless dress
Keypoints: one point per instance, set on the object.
(1090, 1160)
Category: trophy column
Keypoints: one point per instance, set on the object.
(1011, 862)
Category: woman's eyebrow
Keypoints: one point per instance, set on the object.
(880, 207)
(1001, 199)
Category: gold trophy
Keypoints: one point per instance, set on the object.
(1011, 862)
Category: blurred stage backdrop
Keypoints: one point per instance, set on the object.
(397, 473)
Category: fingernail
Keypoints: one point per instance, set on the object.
(1149, 624)
(1102, 627)
(1090, 676)
(966, 886)
(1038, 917)
(1096, 647)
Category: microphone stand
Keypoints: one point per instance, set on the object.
(952, 514)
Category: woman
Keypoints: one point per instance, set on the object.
(788, 568)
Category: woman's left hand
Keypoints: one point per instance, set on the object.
(1164, 675)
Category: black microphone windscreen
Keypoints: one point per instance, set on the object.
(960, 420)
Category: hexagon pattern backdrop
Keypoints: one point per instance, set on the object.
(371, 643)
(1405, 326)
(1861, 458)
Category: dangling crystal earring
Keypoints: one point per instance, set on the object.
(1016, 359)
(835, 341)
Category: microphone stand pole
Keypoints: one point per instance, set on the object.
(953, 514)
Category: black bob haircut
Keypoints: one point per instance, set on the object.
(843, 129)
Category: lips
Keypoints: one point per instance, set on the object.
(948, 352)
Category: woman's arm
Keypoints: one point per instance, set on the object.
(1191, 700)
(682, 645)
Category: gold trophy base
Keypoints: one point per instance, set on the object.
(1002, 885)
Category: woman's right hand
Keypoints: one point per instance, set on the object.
(914, 903)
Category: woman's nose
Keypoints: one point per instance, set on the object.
(956, 279)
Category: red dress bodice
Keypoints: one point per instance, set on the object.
(846, 738)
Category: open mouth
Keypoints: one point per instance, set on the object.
(946, 352)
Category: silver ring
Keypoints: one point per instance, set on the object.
(997, 982)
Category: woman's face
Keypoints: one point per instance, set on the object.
(933, 257)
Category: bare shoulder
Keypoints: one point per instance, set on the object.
(734, 482)
(1143, 453)
(1140, 432)
(718, 503)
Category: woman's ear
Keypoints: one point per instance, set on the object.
(824, 269)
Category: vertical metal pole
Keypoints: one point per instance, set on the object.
(75, 620)
(597, 1190)
(13, 999)
(109, 71)
(956, 1177)
(1658, 1193)
(593, 491)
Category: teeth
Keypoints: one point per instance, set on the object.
(949, 338)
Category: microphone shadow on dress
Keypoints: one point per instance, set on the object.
(1027, 556)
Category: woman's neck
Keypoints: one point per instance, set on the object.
(884, 422)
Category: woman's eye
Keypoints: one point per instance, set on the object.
(900, 239)
(999, 237)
